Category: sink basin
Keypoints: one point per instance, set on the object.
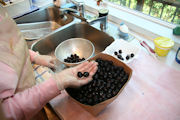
(42, 22)
(47, 45)
(46, 14)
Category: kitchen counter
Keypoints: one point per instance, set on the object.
(151, 94)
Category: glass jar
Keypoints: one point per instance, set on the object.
(102, 9)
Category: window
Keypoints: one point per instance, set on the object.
(167, 10)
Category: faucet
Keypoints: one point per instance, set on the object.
(80, 9)
(102, 20)
(79, 5)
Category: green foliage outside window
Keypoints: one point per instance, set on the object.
(156, 8)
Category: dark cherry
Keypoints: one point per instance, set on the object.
(109, 95)
(119, 56)
(115, 53)
(72, 55)
(65, 60)
(120, 51)
(127, 57)
(132, 54)
(122, 58)
(79, 74)
(89, 101)
(86, 74)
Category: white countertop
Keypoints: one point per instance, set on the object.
(169, 59)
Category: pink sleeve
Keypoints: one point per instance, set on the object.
(32, 54)
(25, 104)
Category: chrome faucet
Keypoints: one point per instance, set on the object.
(79, 5)
(80, 9)
(102, 20)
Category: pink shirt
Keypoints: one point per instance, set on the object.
(25, 104)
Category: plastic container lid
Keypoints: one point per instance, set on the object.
(164, 42)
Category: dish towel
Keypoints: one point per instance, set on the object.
(41, 73)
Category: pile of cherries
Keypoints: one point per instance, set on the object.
(106, 83)
(73, 58)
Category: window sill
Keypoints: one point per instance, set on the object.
(144, 25)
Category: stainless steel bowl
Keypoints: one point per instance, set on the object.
(81, 47)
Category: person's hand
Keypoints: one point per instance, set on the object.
(69, 78)
(45, 60)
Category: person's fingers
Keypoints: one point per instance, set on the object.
(78, 67)
(95, 65)
(51, 65)
(91, 67)
(53, 60)
(84, 68)
(93, 70)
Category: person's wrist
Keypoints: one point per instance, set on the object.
(59, 81)
(36, 57)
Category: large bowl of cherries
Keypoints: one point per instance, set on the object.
(108, 82)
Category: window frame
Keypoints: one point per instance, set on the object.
(165, 27)
(141, 14)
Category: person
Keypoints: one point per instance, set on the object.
(20, 98)
(2, 117)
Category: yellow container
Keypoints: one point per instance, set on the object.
(163, 45)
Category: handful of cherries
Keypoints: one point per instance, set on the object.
(106, 83)
(80, 74)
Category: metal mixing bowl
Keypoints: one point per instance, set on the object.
(81, 47)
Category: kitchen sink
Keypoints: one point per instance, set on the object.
(49, 13)
(48, 44)
(42, 22)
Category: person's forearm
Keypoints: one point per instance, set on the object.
(26, 104)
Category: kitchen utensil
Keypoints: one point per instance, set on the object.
(81, 47)
(147, 47)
